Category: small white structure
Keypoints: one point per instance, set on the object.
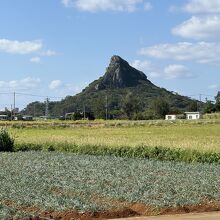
(27, 118)
(3, 117)
(171, 117)
(193, 115)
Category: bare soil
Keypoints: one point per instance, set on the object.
(133, 210)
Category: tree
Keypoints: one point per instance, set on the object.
(209, 107)
(193, 106)
(131, 105)
(217, 102)
(99, 108)
(159, 107)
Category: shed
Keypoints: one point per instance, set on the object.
(27, 118)
(193, 115)
(171, 117)
(3, 117)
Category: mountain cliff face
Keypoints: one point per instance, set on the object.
(120, 74)
(119, 80)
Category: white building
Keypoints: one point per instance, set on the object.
(193, 115)
(171, 117)
(3, 117)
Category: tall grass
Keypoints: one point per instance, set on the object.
(158, 153)
(180, 141)
(212, 116)
(186, 136)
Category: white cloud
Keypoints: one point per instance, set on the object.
(176, 72)
(202, 6)
(35, 60)
(148, 6)
(105, 5)
(19, 47)
(55, 84)
(142, 65)
(27, 83)
(202, 27)
(48, 53)
(200, 52)
(63, 89)
(213, 86)
(67, 3)
(147, 67)
(26, 47)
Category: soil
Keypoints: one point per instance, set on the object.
(134, 210)
(122, 209)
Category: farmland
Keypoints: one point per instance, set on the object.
(35, 182)
(110, 169)
(180, 141)
(190, 136)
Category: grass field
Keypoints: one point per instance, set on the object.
(190, 136)
(200, 135)
(35, 182)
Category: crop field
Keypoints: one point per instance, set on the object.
(99, 169)
(202, 135)
(40, 184)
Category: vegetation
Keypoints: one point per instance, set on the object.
(217, 102)
(159, 108)
(131, 106)
(130, 95)
(6, 141)
(164, 140)
(90, 183)
(212, 107)
(212, 116)
(125, 93)
(198, 135)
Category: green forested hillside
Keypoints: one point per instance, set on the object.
(121, 87)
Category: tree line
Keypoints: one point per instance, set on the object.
(131, 107)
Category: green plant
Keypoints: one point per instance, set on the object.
(71, 182)
(6, 141)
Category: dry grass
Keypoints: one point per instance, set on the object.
(199, 136)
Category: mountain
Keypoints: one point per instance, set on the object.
(119, 80)
(120, 74)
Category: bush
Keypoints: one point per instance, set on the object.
(6, 141)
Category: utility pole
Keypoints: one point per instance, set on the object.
(106, 108)
(11, 112)
(34, 109)
(14, 104)
(84, 111)
(200, 97)
(47, 108)
(200, 100)
(199, 103)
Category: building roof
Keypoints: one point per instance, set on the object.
(192, 113)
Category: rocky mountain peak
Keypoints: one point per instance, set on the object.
(120, 74)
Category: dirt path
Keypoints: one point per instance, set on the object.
(197, 216)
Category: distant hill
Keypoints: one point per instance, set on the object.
(119, 80)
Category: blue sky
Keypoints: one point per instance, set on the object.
(56, 47)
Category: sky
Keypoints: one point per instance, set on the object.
(55, 48)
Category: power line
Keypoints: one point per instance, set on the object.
(34, 95)
(6, 93)
(40, 96)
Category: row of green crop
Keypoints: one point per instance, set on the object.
(55, 181)
(158, 153)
